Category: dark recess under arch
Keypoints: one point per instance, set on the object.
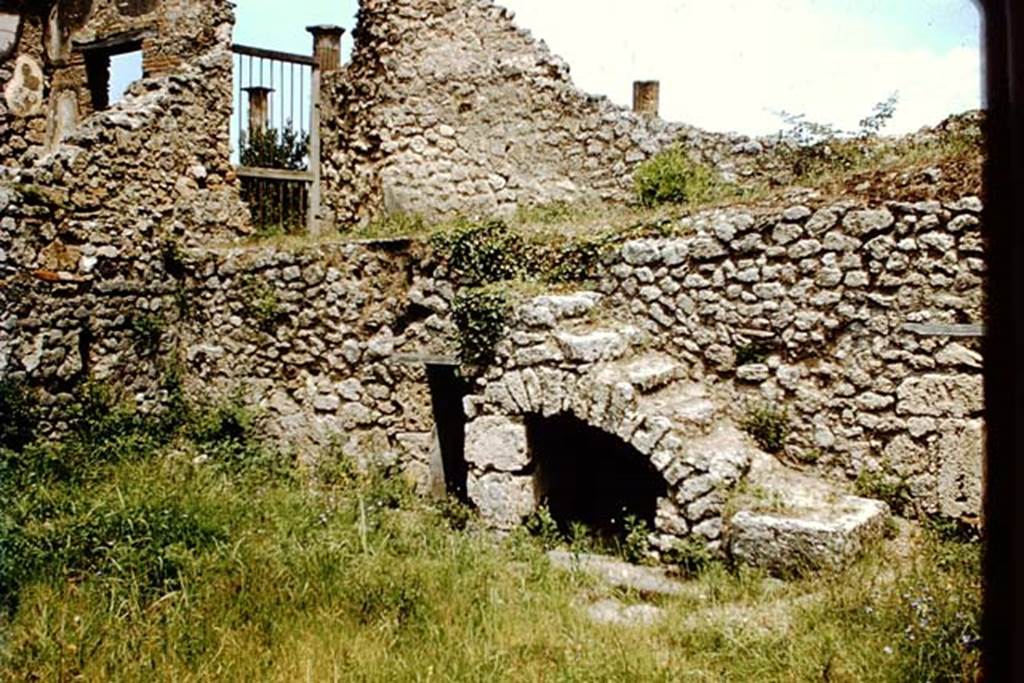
(586, 475)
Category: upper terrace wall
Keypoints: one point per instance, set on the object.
(447, 106)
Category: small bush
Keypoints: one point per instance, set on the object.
(230, 435)
(456, 514)
(690, 555)
(147, 331)
(287, 149)
(769, 426)
(672, 177)
(887, 487)
(18, 416)
(480, 316)
(636, 543)
(576, 261)
(261, 303)
(479, 254)
(544, 528)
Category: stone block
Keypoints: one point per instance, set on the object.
(497, 443)
(502, 499)
(940, 396)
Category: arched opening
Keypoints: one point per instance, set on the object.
(588, 476)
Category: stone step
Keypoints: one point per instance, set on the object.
(646, 374)
(544, 312)
(686, 404)
(592, 346)
(790, 523)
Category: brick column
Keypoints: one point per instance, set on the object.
(327, 47)
(259, 109)
(646, 95)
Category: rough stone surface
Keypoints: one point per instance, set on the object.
(503, 499)
(496, 443)
(794, 523)
(611, 611)
(642, 580)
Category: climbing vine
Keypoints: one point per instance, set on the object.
(480, 315)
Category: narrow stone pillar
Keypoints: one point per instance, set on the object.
(646, 95)
(259, 109)
(327, 47)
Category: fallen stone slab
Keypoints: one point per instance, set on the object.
(798, 523)
(613, 612)
(618, 573)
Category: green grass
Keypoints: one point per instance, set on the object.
(185, 550)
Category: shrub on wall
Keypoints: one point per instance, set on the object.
(672, 177)
(768, 425)
(482, 253)
(480, 316)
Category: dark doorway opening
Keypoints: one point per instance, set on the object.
(447, 390)
(588, 476)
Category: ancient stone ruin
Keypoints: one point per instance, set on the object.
(122, 258)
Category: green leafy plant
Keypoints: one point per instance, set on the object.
(261, 303)
(769, 426)
(147, 331)
(482, 253)
(286, 149)
(480, 315)
(575, 261)
(456, 514)
(754, 352)
(690, 555)
(18, 415)
(542, 526)
(888, 487)
(635, 544)
(672, 177)
(810, 456)
(809, 148)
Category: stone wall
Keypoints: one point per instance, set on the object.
(330, 341)
(843, 302)
(447, 106)
(56, 67)
(91, 230)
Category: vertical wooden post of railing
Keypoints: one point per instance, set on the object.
(259, 109)
(327, 58)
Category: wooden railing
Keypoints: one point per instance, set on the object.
(277, 128)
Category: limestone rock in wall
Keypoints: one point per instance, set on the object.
(497, 443)
(503, 499)
(24, 92)
(960, 454)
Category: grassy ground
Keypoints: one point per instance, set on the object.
(182, 548)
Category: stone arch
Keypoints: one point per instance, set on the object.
(697, 468)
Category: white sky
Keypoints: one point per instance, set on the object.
(728, 64)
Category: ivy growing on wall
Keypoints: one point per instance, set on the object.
(480, 315)
(482, 253)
